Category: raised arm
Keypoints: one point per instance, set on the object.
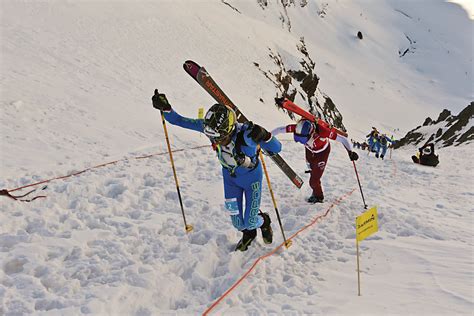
(160, 102)
(284, 129)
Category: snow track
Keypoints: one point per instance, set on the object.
(115, 234)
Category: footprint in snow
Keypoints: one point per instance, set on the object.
(114, 190)
(201, 238)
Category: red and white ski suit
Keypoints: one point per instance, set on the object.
(315, 137)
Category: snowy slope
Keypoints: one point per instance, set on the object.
(76, 82)
(76, 77)
(112, 242)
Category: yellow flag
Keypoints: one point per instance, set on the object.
(200, 113)
(366, 224)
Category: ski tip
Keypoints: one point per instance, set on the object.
(191, 68)
(190, 64)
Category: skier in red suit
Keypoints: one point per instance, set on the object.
(315, 137)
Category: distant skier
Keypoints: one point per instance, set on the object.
(236, 146)
(426, 156)
(372, 139)
(382, 144)
(315, 137)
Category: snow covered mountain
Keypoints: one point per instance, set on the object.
(108, 238)
(446, 130)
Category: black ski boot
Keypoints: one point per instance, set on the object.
(266, 228)
(314, 199)
(247, 238)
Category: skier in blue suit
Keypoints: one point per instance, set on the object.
(236, 146)
(372, 140)
(383, 145)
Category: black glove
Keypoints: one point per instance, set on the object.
(258, 133)
(353, 155)
(279, 101)
(160, 102)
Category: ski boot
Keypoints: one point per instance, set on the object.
(266, 228)
(381, 156)
(247, 238)
(314, 199)
(376, 155)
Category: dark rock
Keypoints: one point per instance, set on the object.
(428, 121)
(449, 132)
(299, 75)
(462, 120)
(467, 136)
(443, 116)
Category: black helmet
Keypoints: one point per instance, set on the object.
(219, 122)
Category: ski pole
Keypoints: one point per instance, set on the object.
(186, 226)
(287, 242)
(391, 147)
(360, 187)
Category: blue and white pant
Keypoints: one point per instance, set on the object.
(235, 188)
(384, 149)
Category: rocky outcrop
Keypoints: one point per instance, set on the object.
(447, 130)
(303, 82)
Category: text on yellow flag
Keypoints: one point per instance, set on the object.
(366, 224)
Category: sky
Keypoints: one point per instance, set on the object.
(467, 5)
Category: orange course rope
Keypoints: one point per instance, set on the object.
(261, 258)
(394, 173)
(99, 166)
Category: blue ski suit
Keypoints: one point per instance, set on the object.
(239, 181)
(373, 146)
(382, 144)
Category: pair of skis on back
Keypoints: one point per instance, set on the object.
(205, 81)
